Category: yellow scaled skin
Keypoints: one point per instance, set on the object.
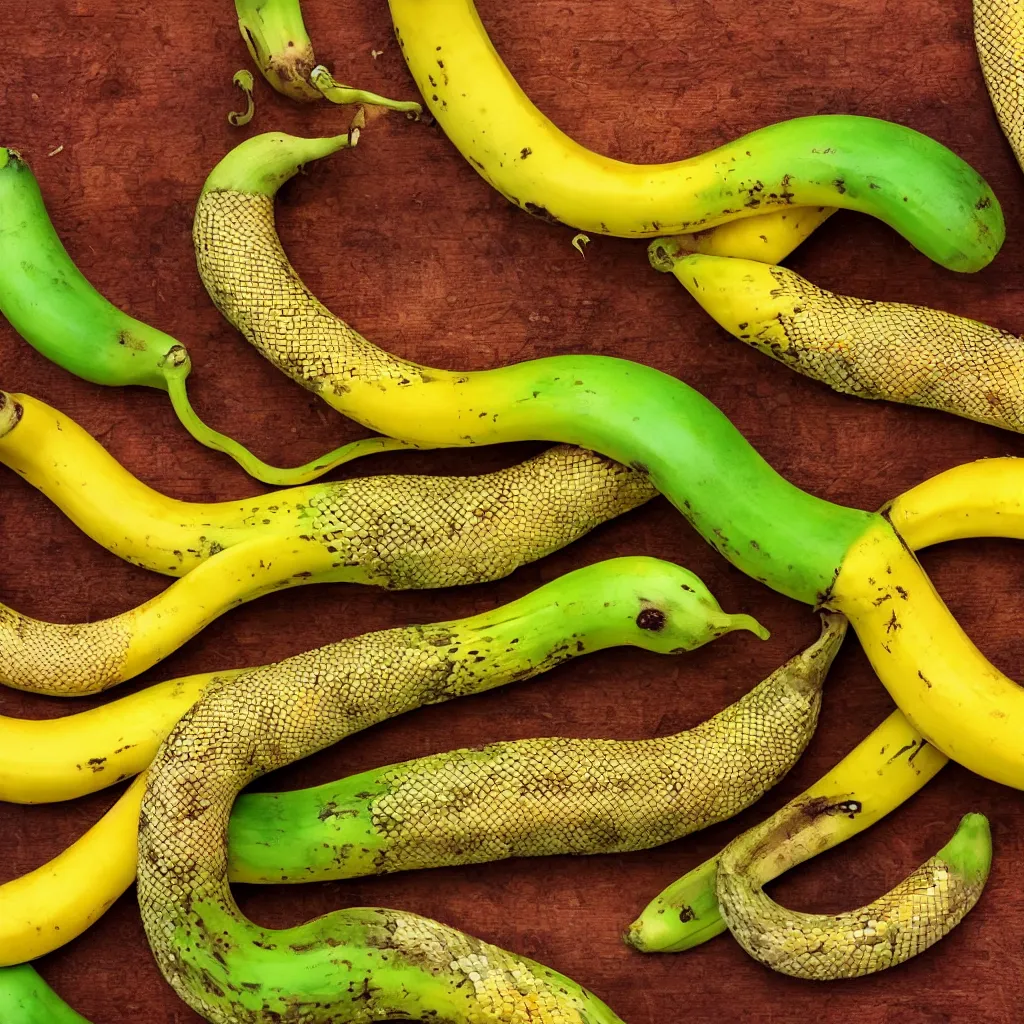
(916, 914)
(999, 37)
(876, 350)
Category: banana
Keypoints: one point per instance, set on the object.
(906, 179)
(811, 550)
(26, 999)
(906, 921)
(883, 771)
(980, 499)
(30, 926)
(880, 350)
(78, 329)
(278, 43)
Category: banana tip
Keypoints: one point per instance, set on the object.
(10, 413)
(663, 253)
(969, 852)
(733, 623)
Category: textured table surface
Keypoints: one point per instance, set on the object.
(402, 238)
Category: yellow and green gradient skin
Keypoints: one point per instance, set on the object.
(809, 549)
(372, 963)
(49, 302)
(906, 179)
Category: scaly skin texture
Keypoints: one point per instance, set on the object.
(809, 549)
(58, 312)
(979, 499)
(476, 523)
(886, 768)
(522, 798)
(335, 968)
(909, 181)
(398, 532)
(916, 914)
(882, 350)
(999, 37)
(531, 798)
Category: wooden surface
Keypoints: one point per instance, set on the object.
(402, 238)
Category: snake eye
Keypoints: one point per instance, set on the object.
(850, 807)
(652, 619)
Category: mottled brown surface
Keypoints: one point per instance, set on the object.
(409, 244)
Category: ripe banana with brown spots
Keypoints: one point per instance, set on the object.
(876, 350)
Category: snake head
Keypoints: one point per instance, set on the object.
(673, 611)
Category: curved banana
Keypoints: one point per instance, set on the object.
(26, 999)
(882, 350)
(541, 505)
(78, 329)
(522, 798)
(998, 35)
(825, 555)
(885, 769)
(359, 964)
(276, 37)
(922, 909)
(979, 499)
(906, 179)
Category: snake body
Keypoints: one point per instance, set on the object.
(875, 350)
(922, 909)
(397, 532)
(367, 964)
(998, 36)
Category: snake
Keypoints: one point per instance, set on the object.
(396, 532)
(809, 549)
(917, 913)
(367, 964)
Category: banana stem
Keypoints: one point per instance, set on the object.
(335, 92)
(243, 79)
(176, 374)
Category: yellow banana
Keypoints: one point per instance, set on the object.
(879, 350)
(859, 163)
(45, 908)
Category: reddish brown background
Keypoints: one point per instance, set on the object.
(402, 238)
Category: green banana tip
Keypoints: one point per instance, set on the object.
(263, 163)
(969, 852)
(335, 92)
(726, 623)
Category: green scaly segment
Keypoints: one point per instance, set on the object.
(395, 963)
(26, 999)
(52, 305)
(636, 415)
